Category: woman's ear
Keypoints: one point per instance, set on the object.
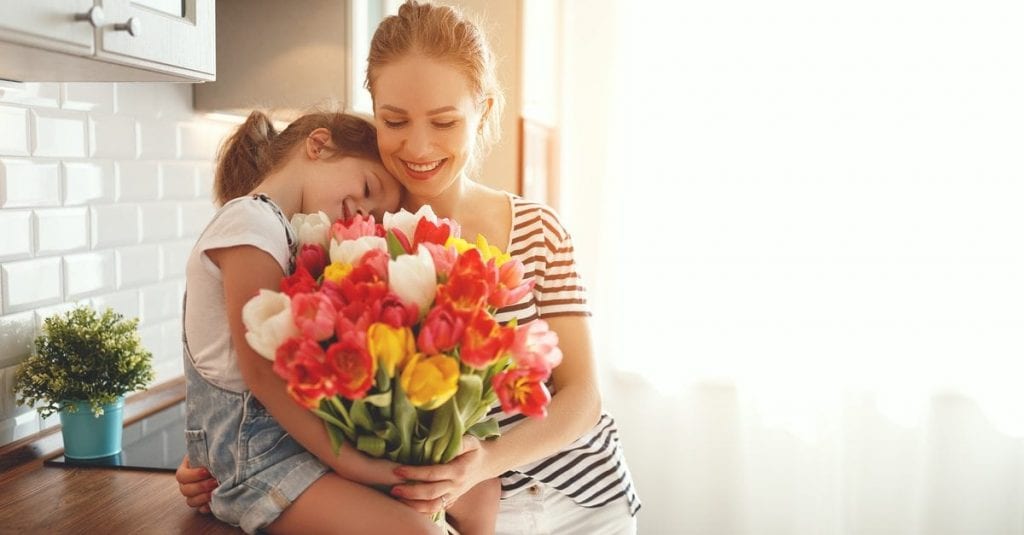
(316, 142)
(486, 105)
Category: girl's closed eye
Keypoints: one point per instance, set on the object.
(444, 124)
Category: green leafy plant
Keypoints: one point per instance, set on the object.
(86, 356)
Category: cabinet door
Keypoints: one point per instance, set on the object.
(48, 24)
(170, 36)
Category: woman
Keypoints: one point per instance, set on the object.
(437, 107)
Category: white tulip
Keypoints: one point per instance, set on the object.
(268, 322)
(312, 228)
(350, 251)
(406, 221)
(412, 277)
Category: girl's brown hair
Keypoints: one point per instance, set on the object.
(444, 33)
(257, 148)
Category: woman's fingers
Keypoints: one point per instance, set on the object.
(425, 506)
(421, 491)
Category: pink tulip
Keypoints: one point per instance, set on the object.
(314, 315)
(536, 347)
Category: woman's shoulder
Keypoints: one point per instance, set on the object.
(531, 213)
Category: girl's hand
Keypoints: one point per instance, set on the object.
(195, 484)
(426, 485)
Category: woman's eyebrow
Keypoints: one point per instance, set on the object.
(434, 111)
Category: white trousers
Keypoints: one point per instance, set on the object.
(541, 510)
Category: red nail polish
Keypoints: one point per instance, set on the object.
(396, 491)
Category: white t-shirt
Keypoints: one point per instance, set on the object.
(251, 220)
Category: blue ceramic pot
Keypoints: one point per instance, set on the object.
(90, 437)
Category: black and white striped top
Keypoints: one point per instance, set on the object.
(592, 470)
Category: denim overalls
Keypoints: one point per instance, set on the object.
(261, 469)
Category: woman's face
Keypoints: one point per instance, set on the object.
(427, 119)
(342, 187)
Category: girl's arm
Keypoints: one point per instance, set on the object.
(245, 270)
(574, 409)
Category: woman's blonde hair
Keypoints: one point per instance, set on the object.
(443, 33)
(257, 148)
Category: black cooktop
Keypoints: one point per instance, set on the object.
(156, 442)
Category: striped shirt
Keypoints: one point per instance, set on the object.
(592, 470)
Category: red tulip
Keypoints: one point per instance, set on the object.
(522, 390)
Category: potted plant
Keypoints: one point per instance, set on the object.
(83, 365)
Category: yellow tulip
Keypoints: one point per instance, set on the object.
(430, 381)
(390, 346)
(337, 271)
(488, 251)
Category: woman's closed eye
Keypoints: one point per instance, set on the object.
(444, 124)
(395, 124)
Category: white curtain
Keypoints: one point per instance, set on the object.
(801, 224)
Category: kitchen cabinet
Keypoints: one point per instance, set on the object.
(107, 40)
(292, 57)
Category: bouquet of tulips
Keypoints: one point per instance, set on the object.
(388, 333)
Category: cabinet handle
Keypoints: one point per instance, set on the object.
(132, 26)
(94, 16)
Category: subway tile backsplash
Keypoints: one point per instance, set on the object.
(103, 190)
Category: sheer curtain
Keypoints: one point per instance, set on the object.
(801, 225)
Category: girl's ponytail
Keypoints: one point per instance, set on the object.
(244, 158)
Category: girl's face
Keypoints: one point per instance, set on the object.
(427, 119)
(342, 187)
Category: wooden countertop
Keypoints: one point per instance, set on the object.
(61, 500)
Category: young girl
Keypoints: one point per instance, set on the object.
(437, 106)
(273, 459)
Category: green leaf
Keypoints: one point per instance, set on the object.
(339, 407)
(455, 440)
(382, 399)
(336, 441)
(329, 418)
(468, 395)
(485, 429)
(371, 445)
(382, 381)
(405, 419)
(395, 248)
(361, 415)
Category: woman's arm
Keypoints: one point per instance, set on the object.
(245, 270)
(574, 409)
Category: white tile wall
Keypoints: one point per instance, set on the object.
(59, 133)
(89, 273)
(137, 265)
(13, 130)
(30, 94)
(31, 283)
(62, 230)
(29, 183)
(16, 241)
(112, 136)
(138, 181)
(97, 98)
(88, 182)
(100, 203)
(115, 224)
(16, 334)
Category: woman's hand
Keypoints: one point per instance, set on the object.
(195, 484)
(426, 485)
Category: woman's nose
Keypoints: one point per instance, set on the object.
(418, 143)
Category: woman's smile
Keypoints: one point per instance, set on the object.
(423, 170)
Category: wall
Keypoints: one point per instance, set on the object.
(103, 190)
